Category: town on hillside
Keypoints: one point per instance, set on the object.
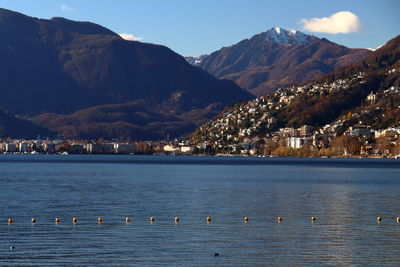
(254, 127)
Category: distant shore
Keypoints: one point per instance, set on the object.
(212, 155)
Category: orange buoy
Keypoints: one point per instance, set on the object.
(313, 219)
(57, 220)
(177, 219)
(33, 220)
(99, 220)
(127, 219)
(280, 219)
(398, 219)
(208, 219)
(10, 220)
(75, 220)
(246, 219)
(152, 219)
(379, 218)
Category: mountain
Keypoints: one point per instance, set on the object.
(278, 58)
(381, 62)
(377, 74)
(195, 60)
(364, 95)
(58, 67)
(122, 121)
(284, 37)
(11, 126)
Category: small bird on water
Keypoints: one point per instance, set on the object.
(216, 254)
(12, 247)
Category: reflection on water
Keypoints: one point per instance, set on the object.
(345, 196)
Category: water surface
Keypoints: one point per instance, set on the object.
(345, 195)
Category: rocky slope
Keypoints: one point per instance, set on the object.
(278, 58)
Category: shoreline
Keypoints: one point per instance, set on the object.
(219, 155)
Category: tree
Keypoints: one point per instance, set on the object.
(348, 115)
(144, 148)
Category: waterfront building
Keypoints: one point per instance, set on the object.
(124, 148)
(11, 147)
(24, 147)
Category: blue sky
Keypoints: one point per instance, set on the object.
(193, 27)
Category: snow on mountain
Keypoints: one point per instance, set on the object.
(278, 58)
(282, 36)
(276, 35)
(195, 60)
(376, 48)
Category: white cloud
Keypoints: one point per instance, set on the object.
(340, 22)
(66, 8)
(130, 37)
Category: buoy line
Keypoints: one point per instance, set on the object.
(176, 219)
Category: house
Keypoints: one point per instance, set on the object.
(124, 148)
(372, 98)
(360, 131)
(76, 149)
(24, 147)
(11, 147)
(306, 130)
(50, 148)
(272, 120)
(298, 142)
(321, 140)
(288, 132)
(107, 148)
(94, 148)
(169, 148)
(187, 149)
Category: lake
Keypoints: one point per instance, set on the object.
(345, 196)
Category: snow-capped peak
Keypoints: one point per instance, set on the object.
(282, 36)
(195, 60)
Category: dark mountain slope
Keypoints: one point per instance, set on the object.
(60, 66)
(73, 65)
(122, 121)
(11, 126)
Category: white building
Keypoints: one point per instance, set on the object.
(371, 98)
(169, 148)
(186, 149)
(298, 142)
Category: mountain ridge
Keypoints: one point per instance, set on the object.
(282, 36)
(59, 67)
(270, 60)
